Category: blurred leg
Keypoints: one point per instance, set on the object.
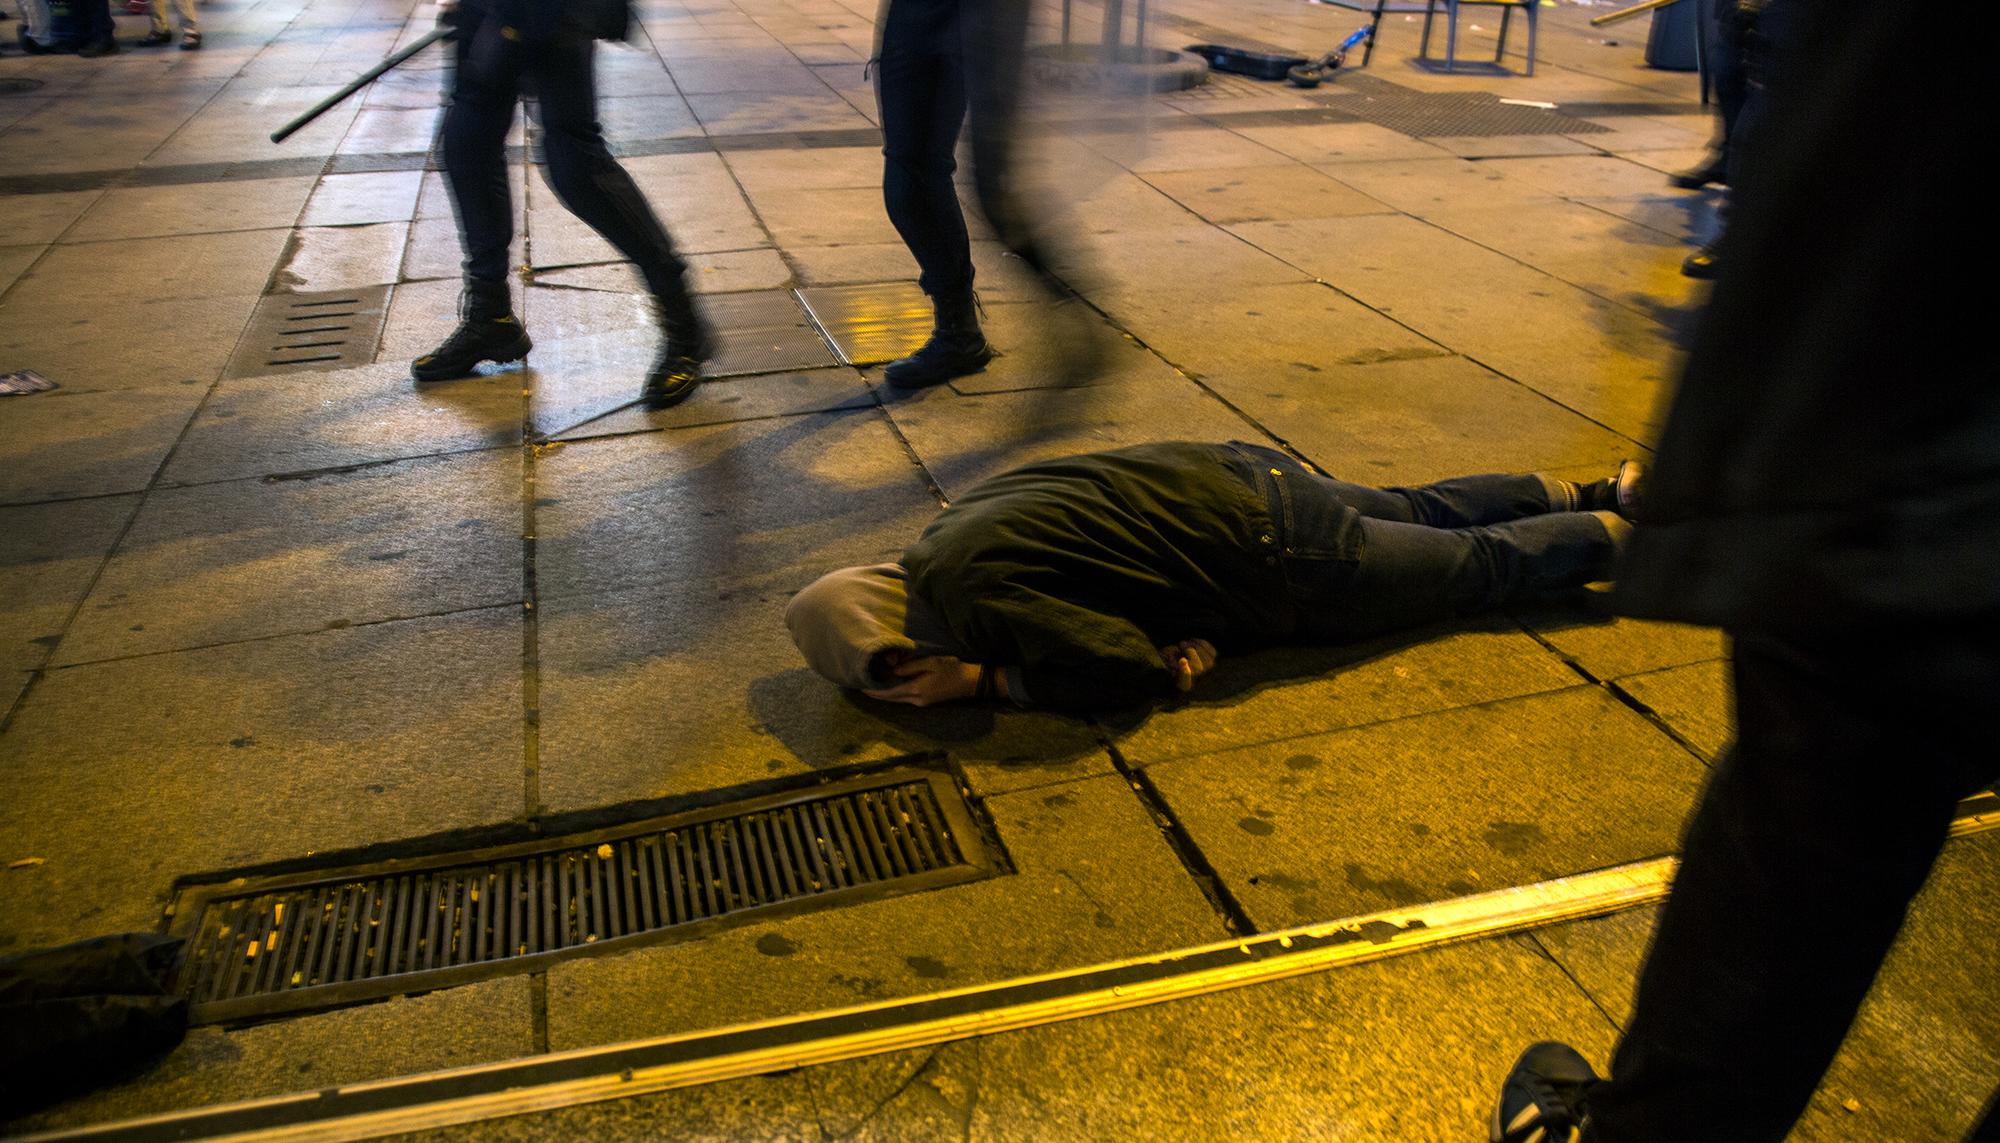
(921, 85)
(484, 92)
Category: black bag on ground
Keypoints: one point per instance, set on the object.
(85, 1014)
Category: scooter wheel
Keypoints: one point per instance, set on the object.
(1305, 75)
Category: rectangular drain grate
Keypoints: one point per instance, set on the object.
(273, 945)
(292, 333)
(763, 331)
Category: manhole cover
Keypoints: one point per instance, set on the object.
(266, 946)
(14, 85)
(291, 333)
(873, 323)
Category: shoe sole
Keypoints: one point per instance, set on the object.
(517, 352)
(931, 383)
(668, 398)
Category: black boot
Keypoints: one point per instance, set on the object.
(1714, 170)
(955, 349)
(487, 331)
(688, 343)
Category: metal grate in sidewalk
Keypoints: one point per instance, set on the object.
(264, 947)
(293, 333)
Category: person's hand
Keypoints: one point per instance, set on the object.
(926, 680)
(1189, 660)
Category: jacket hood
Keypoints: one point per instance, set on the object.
(845, 618)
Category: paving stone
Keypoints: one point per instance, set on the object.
(1582, 627)
(14, 261)
(455, 1027)
(698, 202)
(1288, 692)
(1694, 219)
(183, 268)
(76, 443)
(39, 219)
(1633, 133)
(777, 1108)
(1094, 881)
(705, 77)
(1420, 186)
(1251, 194)
(819, 168)
(1695, 700)
(1409, 1048)
(1510, 146)
(253, 752)
(195, 208)
(824, 216)
(1039, 342)
(1589, 354)
(695, 684)
(357, 199)
(1296, 828)
(342, 257)
(53, 551)
(1609, 255)
(637, 118)
(1186, 262)
(391, 129)
(754, 113)
(725, 399)
(1267, 335)
(724, 272)
(1341, 142)
(88, 346)
(864, 262)
(1123, 204)
(247, 559)
(1202, 148)
(304, 422)
(718, 502)
(963, 439)
(1584, 176)
(1418, 419)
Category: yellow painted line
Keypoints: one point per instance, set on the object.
(417, 1102)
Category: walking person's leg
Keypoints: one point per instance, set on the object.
(920, 85)
(595, 188)
(485, 89)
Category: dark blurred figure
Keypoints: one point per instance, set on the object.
(545, 46)
(85, 1014)
(1741, 36)
(91, 25)
(1827, 489)
(940, 64)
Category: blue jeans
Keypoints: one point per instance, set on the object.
(1361, 561)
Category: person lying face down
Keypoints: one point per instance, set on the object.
(1113, 578)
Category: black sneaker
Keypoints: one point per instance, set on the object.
(1542, 1098)
(154, 39)
(476, 340)
(104, 47)
(1713, 172)
(689, 343)
(1703, 264)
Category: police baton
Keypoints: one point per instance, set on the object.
(360, 81)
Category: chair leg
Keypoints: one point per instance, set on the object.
(1451, 35)
(1374, 33)
(1533, 12)
(1506, 18)
(1430, 10)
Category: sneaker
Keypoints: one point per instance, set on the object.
(1628, 488)
(1542, 1099)
(1713, 172)
(191, 42)
(104, 47)
(155, 38)
(1703, 264)
(688, 344)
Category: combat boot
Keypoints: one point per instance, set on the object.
(956, 346)
(487, 331)
(687, 343)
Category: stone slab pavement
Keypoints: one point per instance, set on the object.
(248, 618)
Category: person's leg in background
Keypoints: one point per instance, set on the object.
(1725, 72)
(33, 34)
(485, 89)
(95, 33)
(920, 85)
(595, 188)
(162, 32)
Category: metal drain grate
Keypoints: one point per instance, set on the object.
(763, 331)
(312, 940)
(291, 333)
(872, 323)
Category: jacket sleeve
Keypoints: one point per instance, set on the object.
(1066, 656)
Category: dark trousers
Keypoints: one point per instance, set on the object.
(1362, 561)
(1817, 827)
(90, 22)
(492, 72)
(943, 61)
